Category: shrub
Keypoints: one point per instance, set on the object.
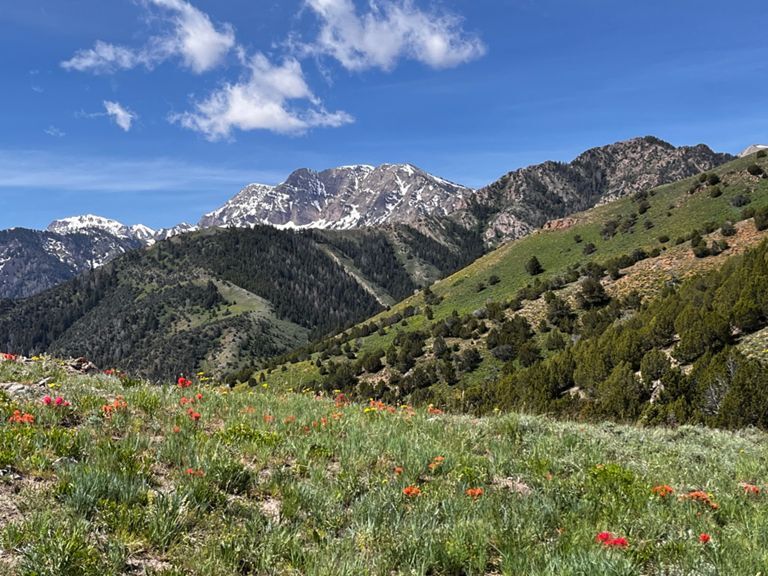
(589, 248)
(713, 180)
(727, 229)
(740, 200)
(663, 239)
(716, 192)
(533, 266)
(747, 213)
(762, 154)
(754, 169)
(761, 218)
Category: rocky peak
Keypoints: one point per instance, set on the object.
(343, 197)
(526, 199)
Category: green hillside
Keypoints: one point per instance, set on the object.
(123, 477)
(218, 299)
(656, 231)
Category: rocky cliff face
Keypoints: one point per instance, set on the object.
(342, 198)
(32, 261)
(526, 199)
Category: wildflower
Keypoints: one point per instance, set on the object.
(9, 357)
(750, 489)
(617, 543)
(21, 418)
(436, 463)
(59, 401)
(475, 493)
(47, 400)
(411, 491)
(176, 429)
(268, 418)
(193, 415)
(603, 537)
(704, 538)
(199, 396)
(195, 472)
(289, 420)
(397, 470)
(701, 496)
(183, 382)
(610, 541)
(340, 400)
(434, 411)
(663, 490)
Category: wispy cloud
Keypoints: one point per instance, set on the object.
(389, 31)
(261, 101)
(55, 132)
(120, 115)
(190, 35)
(46, 171)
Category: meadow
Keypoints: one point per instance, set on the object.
(105, 475)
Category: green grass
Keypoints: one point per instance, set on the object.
(268, 482)
(673, 211)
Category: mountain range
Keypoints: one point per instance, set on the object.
(360, 196)
(225, 296)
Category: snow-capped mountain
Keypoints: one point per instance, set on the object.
(753, 149)
(88, 222)
(32, 260)
(165, 233)
(342, 198)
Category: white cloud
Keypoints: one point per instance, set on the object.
(390, 30)
(120, 114)
(55, 132)
(104, 58)
(262, 101)
(191, 36)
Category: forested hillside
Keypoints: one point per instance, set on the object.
(218, 298)
(609, 314)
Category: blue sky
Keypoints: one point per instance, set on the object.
(157, 111)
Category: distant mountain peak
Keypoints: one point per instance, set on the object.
(344, 197)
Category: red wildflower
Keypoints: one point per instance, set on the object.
(10, 357)
(603, 537)
(662, 491)
(195, 472)
(47, 400)
(411, 491)
(176, 429)
(199, 396)
(194, 415)
(610, 541)
(183, 382)
(398, 470)
(704, 538)
(617, 543)
(475, 493)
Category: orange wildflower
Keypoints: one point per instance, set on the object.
(21, 418)
(750, 489)
(474, 493)
(701, 496)
(398, 470)
(434, 411)
(195, 472)
(411, 491)
(268, 418)
(289, 420)
(663, 490)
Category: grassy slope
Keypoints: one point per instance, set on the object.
(673, 212)
(88, 494)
